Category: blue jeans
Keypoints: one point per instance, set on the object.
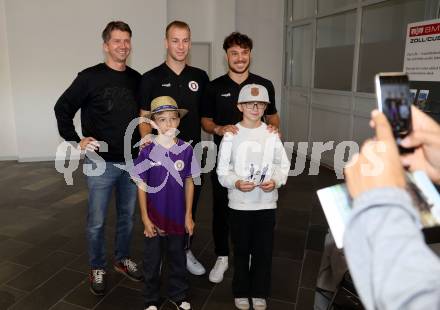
(100, 192)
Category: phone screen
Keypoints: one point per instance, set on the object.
(394, 100)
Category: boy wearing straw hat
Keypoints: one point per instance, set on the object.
(164, 172)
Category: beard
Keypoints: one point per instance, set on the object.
(239, 71)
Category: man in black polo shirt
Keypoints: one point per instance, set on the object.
(185, 84)
(219, 115)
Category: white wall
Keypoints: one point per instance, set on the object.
(50, 41)
(8, 149)
(263, 20)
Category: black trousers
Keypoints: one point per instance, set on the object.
(177, 274)
(220, 216)
(252, 234)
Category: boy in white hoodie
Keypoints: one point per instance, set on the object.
(252, 165)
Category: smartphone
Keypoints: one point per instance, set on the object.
(394, 100)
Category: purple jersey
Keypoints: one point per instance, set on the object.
(164, 171)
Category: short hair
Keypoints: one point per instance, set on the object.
(178, 24)
(114, 25)
(237, 38)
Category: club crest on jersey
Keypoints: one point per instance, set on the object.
(193, 85)
(179, 165)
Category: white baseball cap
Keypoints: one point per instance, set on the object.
(253, 92)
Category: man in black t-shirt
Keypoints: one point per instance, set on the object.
(219, 115)
(186, 85)
(105, 93)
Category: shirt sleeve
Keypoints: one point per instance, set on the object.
(391, 265)
(271, 108)
(208, 102)
(225, 167)
(67, 105)
(145, 92)
(281, 163)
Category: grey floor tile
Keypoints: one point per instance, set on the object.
(50, 292)
(310, 268)
(273, 304)
(285, 279)
(10, 248)
(65, 306)
(40, 232)
(121, 298)
(37, 253)
(42, 184)
(9, 271)
(289, 243)
(9, 296)
(306, 298)
(221, 297)
(315, 238)
(41, 272)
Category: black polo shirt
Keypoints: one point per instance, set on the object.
(186, 88)
(221, 96)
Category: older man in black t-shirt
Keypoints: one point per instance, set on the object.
(219, 115)
(105, 93)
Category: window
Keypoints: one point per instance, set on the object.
(335, 51)
(383, 38)
(325, 6)
(303, 9)
(302, 56)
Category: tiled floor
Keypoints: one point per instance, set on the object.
(43, 248)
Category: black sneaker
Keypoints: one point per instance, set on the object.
(182, 305)
(97, 280)
(129, 269)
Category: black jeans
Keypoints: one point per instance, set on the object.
(220, 216)
(176, 259)
(252, 234)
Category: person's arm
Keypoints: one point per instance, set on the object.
(149, 229)
(390, 264)
(209, 126)
(66, 107)
(189, 196)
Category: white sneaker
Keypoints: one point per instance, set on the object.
(242, 303)
(259, 303)
(151, 308)
(221, 265)
(193, 265)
